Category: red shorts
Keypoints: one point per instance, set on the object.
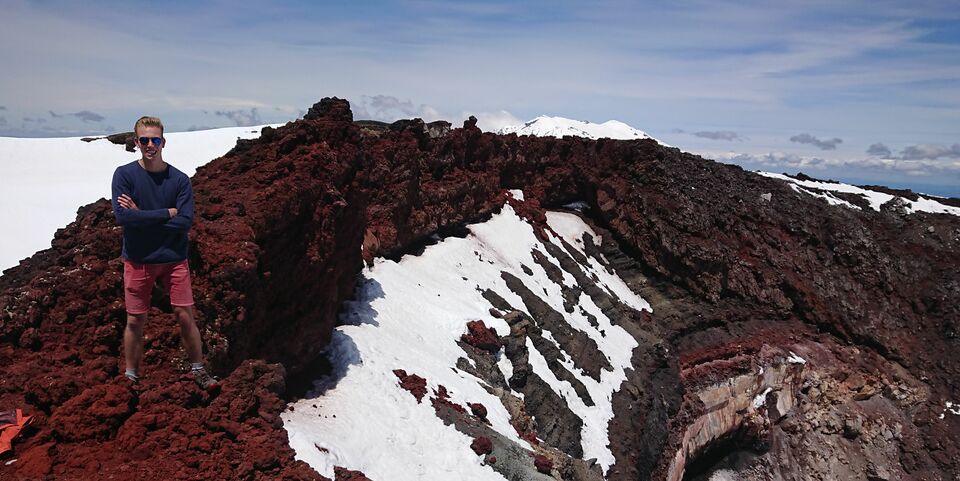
(138, 281)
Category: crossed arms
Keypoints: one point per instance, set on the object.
(128, 214)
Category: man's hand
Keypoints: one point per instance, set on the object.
(173, 212)
(126, 202)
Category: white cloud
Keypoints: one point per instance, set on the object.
(930, 152)
(88, 116)
(830, 144)
(879, 150)
(242, 118)
(491, 121)
(387, 108)
(728, 135)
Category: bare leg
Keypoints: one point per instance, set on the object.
(133, 340)
(189, 333)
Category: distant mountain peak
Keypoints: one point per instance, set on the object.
(546, 126)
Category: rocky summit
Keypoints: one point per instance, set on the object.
(786, 338)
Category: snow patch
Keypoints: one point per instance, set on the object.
(950, 407)
(724, 475)
(506, 367)
(832, 200)
(795, 359)
(761, 398)
(579, 206)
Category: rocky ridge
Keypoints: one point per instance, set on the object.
(741, 272)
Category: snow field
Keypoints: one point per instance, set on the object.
(876, 199)
(409, 315)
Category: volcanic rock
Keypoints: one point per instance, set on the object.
(482, 445)
(481, 337)
(413, 383)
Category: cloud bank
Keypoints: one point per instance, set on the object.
(242, 118)
(493, 121)
(84, 115)
(930, 168)
(88, 116)
(387, 108)
(718, 135)
(820, 144)
(930, 152)
(879, 150)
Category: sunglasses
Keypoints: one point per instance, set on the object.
(147, 140)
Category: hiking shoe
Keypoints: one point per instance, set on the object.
(205, 380)
(131, 383)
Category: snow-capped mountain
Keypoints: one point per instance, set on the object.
(545, 126)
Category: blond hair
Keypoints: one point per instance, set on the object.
(147, 121)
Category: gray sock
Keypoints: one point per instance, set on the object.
(196, 366)
(132, 374)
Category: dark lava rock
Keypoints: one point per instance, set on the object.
(344, 474)
(413, 383)
(482, 337)
(543, 464)
(478, 410)
(482, 445)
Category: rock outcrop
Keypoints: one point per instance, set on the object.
(869, 300)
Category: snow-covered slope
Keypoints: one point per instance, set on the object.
(410, 314)
(45, 180)
(826, 190)
(545, 126)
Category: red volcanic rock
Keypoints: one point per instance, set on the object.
(36, 463)
(482, 337)
(479, 410)
(442, 399)
(94, 414)
(530, 437)
(344, 474)
(413, 383)
(482, 445)
(543, 464)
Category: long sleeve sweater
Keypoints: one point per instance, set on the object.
(150, 235)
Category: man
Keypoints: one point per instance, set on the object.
(153, 201)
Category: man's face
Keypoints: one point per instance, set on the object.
(148, 149)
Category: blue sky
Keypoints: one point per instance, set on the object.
(863, 91)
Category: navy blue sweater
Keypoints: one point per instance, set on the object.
(150, 235)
